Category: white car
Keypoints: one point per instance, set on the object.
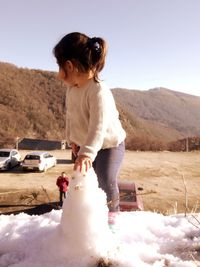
(9, 158)
(37, 160)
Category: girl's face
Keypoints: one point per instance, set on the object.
(68, 73)
(61, 74)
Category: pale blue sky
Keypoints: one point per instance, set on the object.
(152, 43)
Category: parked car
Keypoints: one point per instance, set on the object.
(37, 160)
(130, 198)
(9, 158)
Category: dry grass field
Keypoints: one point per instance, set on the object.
(169, 181)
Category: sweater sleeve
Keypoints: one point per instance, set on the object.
(99, 102)
(58, 182)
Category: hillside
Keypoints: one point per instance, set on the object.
(32, 104)
(167, 114)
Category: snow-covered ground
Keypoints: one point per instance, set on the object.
(80, 236)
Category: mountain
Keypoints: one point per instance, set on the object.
(165, 114)
(32, 104)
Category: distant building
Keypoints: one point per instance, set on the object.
(39, 144)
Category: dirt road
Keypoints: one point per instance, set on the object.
(170, 181)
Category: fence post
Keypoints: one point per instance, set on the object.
(17, 143)
(187, 144)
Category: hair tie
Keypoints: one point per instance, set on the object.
(94, 44)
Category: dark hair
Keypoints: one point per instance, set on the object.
(85, 52)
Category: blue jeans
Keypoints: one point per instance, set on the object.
(107, 166)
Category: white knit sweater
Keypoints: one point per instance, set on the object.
(92, 120)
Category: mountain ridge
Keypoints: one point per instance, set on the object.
(32, 104)
(168, 108)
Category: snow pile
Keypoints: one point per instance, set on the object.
(79, 236)
(84, 222)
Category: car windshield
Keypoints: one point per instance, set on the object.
(4, 154)
(32, 157)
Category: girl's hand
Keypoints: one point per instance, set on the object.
(83, 163)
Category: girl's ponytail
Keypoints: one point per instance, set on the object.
(98, 50)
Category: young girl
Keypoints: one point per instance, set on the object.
(93, 128)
